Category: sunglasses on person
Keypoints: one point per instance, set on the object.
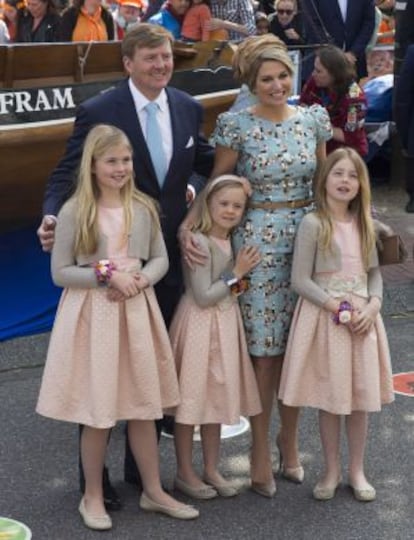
(284, 11)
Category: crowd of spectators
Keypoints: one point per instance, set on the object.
(299, 23)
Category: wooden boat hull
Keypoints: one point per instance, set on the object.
(38, 104)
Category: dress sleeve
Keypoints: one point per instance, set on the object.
(322, 121)
(227, 132)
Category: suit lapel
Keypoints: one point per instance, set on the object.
(178, 133)
(337, 11)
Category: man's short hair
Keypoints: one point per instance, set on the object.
(144, 35)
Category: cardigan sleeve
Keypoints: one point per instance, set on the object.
(157, 265)
(65, 272)
(206, 292)
(375, 282)
(303, 266)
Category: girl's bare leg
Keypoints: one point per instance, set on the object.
(93, 444)
(330, 429)
(143, 442)
(183, 440)
(210, 440)
(356, 428)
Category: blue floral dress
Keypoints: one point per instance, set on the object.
(279, 160)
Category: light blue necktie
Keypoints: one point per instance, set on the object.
(154, 142)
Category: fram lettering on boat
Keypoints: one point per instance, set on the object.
(21, 101)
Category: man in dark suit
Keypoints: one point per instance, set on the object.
(404, 31)
(404, 117)
(148, 59)
(348, 24)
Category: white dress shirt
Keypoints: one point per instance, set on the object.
(163, 117)
(343, 6)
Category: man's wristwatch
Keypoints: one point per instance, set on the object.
(229, 278)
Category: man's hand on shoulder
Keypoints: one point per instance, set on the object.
(46, 232)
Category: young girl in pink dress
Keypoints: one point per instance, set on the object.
(337, 357)
(216, 377)
(110, 360)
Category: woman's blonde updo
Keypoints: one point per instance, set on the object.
(253, 51)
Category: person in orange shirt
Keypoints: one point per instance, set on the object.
(87, 20)
(194, 26)
(386, 30)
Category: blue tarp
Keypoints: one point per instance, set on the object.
(29, 298)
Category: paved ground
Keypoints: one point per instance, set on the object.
(38, 479)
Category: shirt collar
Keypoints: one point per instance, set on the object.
(141, 101)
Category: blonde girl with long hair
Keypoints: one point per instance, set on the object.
(110, 360)
(337, 358)
(216, 377)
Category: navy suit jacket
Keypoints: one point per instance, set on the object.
(354, 33)
(404, 102)
(191, 152)
(404, 30)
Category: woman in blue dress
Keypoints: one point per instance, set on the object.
(277, 147)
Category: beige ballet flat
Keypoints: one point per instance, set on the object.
(97, 523)
(366, 494)
(202, 493)
(325, 493)
(183, 512)
(224, 489)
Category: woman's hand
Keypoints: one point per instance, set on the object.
(191, 251)
(125, 283)
(247, 258)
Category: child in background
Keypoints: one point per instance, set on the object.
(262, 23)
(216, 377)
(337, 357)
(194, 26)
(110, 360)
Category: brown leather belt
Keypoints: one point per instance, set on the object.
(269, 205)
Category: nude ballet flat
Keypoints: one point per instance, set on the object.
(325, 493)
(183, 512)
(202, 493)
(224, 489)
(97, 523)
(264, 489)
(367, 494)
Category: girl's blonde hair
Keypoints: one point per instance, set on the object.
(253, 51)
(360, 206)
(100, 139)
(204, 223)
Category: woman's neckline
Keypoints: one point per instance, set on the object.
(292, 111)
